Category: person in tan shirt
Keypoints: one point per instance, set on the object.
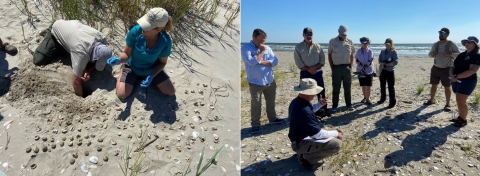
(310, 59)
(340, 58)
(444, 52)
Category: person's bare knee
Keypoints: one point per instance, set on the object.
(168, 91)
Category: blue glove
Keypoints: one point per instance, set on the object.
(113, 61)
(147, 81)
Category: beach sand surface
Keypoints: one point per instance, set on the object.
(410, 139)
(38, 109)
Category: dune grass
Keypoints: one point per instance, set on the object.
(476, 99)
(187, 15)
(206, 166)
(243, 80)
(132, 169)
(353, 149)
(420, 88)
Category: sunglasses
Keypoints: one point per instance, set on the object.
(442, 33)
(308, 35)
(464, 42)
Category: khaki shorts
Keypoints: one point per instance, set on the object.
(438, 75)
(131, 78)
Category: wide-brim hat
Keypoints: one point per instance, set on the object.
(470, 39)
(308, 86)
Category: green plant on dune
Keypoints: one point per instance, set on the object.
(206, 166)
(420, 88)
(476, 99)
(132, 169)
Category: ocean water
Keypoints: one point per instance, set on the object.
(414, 49)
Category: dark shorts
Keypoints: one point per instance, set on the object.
(131, 78)
(465, 88)
(438, 75)
(366, 81)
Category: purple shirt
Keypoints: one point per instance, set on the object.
(364, 61)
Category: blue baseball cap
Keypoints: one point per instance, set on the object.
(470, 39)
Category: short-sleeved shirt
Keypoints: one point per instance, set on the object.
(308, 56)
(78, 39)
(463, 61)
(303, 121)
(366, 59)
(440, 60)
(340, 50)
(143, 60)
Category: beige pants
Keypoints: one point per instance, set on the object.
(256, 91)
(315, 151)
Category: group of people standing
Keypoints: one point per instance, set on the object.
(145, 55)
(309, 140)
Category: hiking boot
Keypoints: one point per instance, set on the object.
(304, 164)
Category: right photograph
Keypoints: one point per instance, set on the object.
(334, 89)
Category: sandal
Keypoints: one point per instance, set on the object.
(460, 123)
(429, 102)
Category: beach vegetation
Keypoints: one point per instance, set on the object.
(420, 88)
(188, 16)
(476, 98)
(210, 161)
(132, 169)
(243, 80)
(279, 77)
(354, 148)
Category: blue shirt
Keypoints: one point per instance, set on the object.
(366, 60)
(385, 56)
(143, 60)
(303, 121)
(258, 74)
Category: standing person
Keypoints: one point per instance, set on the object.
(387, 61)
(364, 58)
(310, 59)
(86, 45)
(340, 58)
(444, 52)
(463, 74)
(146, 54)
(259, 62)
(303, 124)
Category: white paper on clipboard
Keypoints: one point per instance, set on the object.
(309, 139)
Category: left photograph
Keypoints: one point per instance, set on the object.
(123, 87)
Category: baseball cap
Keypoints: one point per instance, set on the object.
(101, 53)
(446, 30)
(307, 30)
(156, 17)
(389, 41)
(342, 30)
(470, 39)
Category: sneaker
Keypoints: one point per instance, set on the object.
(350, 108)
(460, 123)
(304, 164)
(380, 102)
(368, 102)
(333, 110)
(363, 101)
(447, 108)
(429, 102)
(255, 130)
(277, 121)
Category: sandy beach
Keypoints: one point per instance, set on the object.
(410, 139)
(45, 129)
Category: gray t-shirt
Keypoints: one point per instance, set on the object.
(440, 60)
(78, 39)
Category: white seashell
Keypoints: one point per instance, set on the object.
(5, 165)
(93, 159)
(8, 126)
(82, 167)
(177, 161)
(7, 123)
(195, 119)
(223, 169)
(195, 134)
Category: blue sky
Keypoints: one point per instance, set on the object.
(405, 21)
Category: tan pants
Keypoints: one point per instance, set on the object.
(269, 91)
(315, 151)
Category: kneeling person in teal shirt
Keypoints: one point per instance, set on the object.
(146, 54)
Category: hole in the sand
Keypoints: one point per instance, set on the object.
(87, 90)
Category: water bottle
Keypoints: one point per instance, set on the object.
(143, 92)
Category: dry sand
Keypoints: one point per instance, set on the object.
(410, 139)
(43, 112)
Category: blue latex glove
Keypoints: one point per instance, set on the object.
(147, 81)
(113, 61)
